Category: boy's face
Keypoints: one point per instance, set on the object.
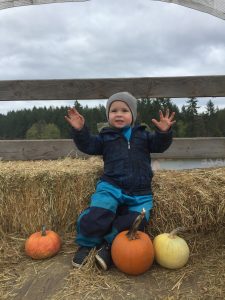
(120, 114)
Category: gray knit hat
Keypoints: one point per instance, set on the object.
(126, 97)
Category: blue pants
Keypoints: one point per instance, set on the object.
(110, 212)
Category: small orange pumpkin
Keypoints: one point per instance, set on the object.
(132, 251)
(43, 244)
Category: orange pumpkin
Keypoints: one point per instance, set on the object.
(132, 251)
(43, 244)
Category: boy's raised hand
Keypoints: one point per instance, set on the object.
(75, 119)
(165, 122)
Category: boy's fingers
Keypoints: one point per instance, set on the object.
(167, 113)
(172, 116)
(160, 115)
(155, 122)
(72, 111)
(76, 112)
(68, 119)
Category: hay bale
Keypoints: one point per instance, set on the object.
(194, 199)
(55, 192)
(45, 192)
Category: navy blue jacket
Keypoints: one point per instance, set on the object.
(127, 165)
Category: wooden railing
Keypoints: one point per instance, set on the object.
(90, 89)
(181, 148)
(64, 89)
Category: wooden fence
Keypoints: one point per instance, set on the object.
(64, 89)
(90, 89)
(181, 148)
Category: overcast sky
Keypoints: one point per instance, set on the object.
(104, 39)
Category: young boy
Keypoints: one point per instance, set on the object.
(125, 186)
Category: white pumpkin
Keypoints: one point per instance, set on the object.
(171, 251)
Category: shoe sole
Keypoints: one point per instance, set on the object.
(76, 265)
(101, 262)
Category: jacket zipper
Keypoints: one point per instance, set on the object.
(128, 144)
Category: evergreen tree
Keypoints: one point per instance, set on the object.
(210, 118)
(210, 108)
(220, 117)
(194, 123)
(192, 107)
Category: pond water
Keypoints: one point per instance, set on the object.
(183, 164)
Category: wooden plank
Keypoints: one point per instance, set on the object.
(195, 148)
(38, 149)
(181, 148)
(89, 89)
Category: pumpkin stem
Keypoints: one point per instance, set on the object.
(132, 233)
(43, 230)
(175, 231)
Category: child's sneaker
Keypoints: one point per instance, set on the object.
(103, 257)
(80, 256)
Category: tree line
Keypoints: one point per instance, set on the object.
(49, 123)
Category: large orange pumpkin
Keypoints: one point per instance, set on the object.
(132, 251)
(43, 244)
